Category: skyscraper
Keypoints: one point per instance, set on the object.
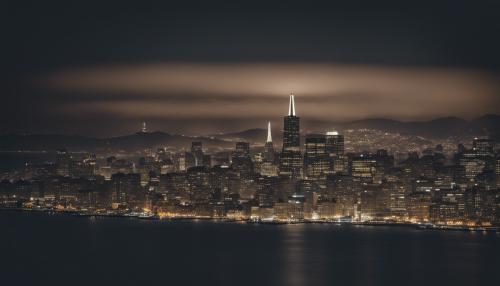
(268, 167)
(291, 156)
(269, 147)
(63, 162)
(241, 161)
(242, 150)
(197, 151)
(483, 146)
(335, 150)
(316, 160)
(334, 143)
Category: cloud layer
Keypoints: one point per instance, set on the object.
(242, 92)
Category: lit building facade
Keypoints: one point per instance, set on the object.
(291, 156)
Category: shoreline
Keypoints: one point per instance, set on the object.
(427, 226)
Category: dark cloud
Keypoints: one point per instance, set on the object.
(406, 60)
(454, 33)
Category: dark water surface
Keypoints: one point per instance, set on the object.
(42, 249)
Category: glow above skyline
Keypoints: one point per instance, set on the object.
(226, 97)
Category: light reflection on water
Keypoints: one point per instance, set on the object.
(293, 254)
(37, 248)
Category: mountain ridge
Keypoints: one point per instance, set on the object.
(488, 124)
(436, 128)
(131, 142)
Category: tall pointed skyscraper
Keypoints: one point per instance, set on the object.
(269, 137)
(291, 156)
(269, 147)
(268, 166)
(291, 106)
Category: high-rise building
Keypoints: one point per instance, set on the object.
(316, 160)
(335, 150)
(126, 188)
(190, 160)
(497, 170)
(334, 143)
(471, 165)
(483, 146)
(241, 161)
(269, 147)
(418, 205)
(268, 166)
(207, 160)
(197, 151)
(242, 150)
(363, 166)
(291, 156)
(63, 162)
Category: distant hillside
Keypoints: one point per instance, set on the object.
(441, 127)
(49, 142)
(437, 128)
(133, 142)
(488, 124)
(250, 135)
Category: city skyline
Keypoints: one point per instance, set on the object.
(280, 143)
(318, 178)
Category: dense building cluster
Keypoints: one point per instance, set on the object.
(308, 179)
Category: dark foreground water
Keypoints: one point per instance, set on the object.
(41, 249)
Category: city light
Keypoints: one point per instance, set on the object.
(363, 177)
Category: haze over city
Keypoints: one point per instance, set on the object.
(283, 143)
(226, 67)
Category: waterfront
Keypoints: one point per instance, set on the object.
(38, 248)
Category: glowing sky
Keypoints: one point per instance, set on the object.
(249, 94)
(207, 66)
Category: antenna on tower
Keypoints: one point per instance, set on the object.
(291, 107)
(269, 138)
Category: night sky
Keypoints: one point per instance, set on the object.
(100, 69)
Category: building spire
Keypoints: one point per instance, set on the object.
(269, 138)
(291, 107)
